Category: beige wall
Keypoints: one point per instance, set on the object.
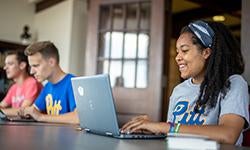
(14, 14)
(64, 24)
(54, 24)
(78, 37)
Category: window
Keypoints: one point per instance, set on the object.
(124, 44)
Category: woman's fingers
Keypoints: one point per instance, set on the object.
(134, 125)
(126, 127)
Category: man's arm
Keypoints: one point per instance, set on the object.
(3, 104)
(13, 111)
(8, 111)
(70, 117)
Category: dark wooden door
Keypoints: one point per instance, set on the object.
(125, 39)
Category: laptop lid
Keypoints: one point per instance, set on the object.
(95, 106)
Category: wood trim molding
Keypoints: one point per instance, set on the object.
(11, 46)
(46, 4)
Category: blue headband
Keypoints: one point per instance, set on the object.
(203, 32)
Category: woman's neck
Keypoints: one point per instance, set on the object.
(199, 78)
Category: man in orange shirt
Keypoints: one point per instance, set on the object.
(25, 88)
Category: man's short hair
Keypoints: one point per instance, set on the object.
(20, 57)
(46, 48)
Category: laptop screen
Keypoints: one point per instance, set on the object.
(95, 105)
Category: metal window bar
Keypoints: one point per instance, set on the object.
(110, 35)
(138, 16)
(123, 37)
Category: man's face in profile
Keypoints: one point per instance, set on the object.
(40, 67)
(12, 67)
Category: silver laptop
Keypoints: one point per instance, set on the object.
(96, 108)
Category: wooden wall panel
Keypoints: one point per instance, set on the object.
(245, 37)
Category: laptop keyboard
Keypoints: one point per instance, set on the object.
(141, 136)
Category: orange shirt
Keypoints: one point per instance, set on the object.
(29, 90)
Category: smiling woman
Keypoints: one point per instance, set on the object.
(213, 100)
(190, 59)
